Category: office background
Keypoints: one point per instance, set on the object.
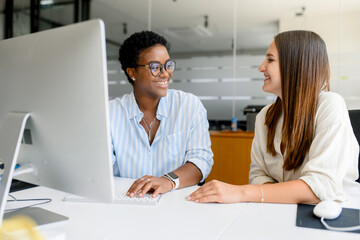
(218, 45)
(203, 34)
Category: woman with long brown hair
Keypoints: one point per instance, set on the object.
(304, 149)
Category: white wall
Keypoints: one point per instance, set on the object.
(343, 46)
(327, 26)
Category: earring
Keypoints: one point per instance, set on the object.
(133, 78)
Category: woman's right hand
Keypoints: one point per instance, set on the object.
(217, 191)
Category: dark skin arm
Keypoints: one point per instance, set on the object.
(188, 174)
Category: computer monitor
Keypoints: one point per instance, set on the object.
(54, 84)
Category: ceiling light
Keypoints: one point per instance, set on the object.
(46, 2)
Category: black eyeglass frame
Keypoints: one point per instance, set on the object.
(162, 66)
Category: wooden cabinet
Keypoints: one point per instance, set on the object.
(231, 156)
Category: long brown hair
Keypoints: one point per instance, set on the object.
(304, 71)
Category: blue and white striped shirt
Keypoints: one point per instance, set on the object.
(182, 136)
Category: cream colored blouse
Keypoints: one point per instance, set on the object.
(331, 165)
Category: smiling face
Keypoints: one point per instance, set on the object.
(145, 83)
(271, 69)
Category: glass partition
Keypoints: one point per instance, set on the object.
(201, 34)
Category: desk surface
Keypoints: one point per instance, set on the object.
(176, 218)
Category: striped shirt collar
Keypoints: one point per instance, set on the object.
(134, 110)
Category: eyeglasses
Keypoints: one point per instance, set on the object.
(157, 68)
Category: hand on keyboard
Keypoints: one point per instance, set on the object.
(121, 187)
(149, 183)
(147, 199)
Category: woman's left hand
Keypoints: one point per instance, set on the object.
(216, 191)
(149, 183)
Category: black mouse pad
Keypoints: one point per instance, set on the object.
(305, 218)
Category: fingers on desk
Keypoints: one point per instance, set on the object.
(202, 194)
(209, 192)
(217, 191)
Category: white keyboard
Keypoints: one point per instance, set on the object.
(121, 187)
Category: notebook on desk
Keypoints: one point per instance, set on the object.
(122, 185)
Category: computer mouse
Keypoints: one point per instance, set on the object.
(327, 209)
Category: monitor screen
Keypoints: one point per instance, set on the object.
(59, 77)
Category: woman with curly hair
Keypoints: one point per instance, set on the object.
(159, 136)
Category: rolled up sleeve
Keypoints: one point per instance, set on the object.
(330, 160)
(333, 155)
(198, 148)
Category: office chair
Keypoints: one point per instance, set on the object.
(355, 122)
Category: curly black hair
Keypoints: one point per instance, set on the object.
(132, 47)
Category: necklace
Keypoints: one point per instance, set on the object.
(149, 126)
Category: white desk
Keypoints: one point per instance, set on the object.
(173, 218)
(276, 221)
(176, 218)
